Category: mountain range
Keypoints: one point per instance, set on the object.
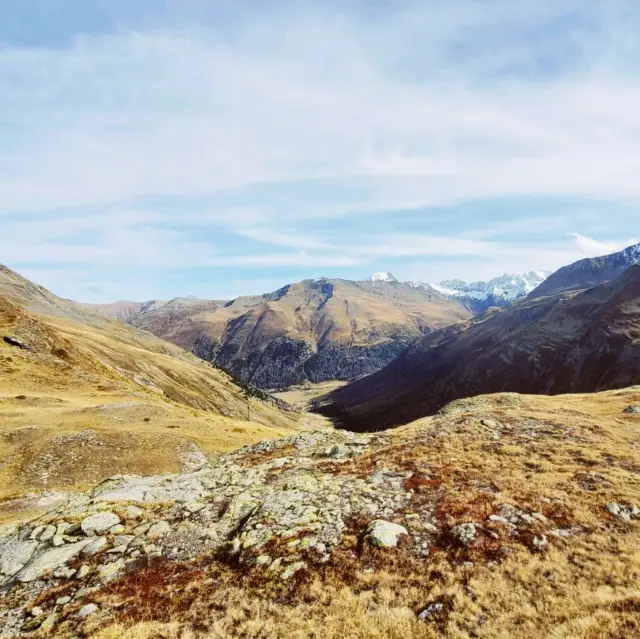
(500, 291)
(312, 330)
(579, 331)
(320, 329)
(175, 503)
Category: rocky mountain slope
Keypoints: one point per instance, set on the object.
(579, 342)
(503, 516)
(588, 272)
(500, 291)
(312, 330)
(82, 397)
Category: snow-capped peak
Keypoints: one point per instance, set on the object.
(631, 254)
(505, 288)
(383, 276)
(499, 291)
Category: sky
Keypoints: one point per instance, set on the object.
(159, 148)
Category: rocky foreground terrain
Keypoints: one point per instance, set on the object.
(501, 516)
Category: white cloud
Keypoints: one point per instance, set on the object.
(591, 247)
(315, 116)
(130, 115)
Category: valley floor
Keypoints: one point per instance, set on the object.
(301, 396)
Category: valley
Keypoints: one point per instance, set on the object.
(449, 494)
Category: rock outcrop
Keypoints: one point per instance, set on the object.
(290, 508)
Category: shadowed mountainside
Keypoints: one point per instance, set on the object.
(577, 342)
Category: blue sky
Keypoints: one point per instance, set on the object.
(158, 148)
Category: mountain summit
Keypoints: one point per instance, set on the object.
(314, 330)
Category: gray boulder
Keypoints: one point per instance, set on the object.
(50, 560)
(385, 534)
(96, 545)
(99, 523)
(14, 554)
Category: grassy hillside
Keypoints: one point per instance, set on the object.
(83, 397)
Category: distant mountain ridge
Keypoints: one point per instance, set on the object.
(498, 291)
(320, 329)
(588, 272)
(122, 309)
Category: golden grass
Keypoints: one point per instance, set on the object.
(300, 396)
(565, 457)
(90, 401)
(527, 596)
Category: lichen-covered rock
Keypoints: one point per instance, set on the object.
(292, 569)
(625, 513)
(48, 533)
(99, 523)
(87, 610)
(159, 530)
(14, 554)
(50, 560)
(108, 572)
(96, 545)
(465, 533)
(385, 534)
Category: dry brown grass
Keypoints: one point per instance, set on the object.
(527, 596)
(585, 586)
(90, 401)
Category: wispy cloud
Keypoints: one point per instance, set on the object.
(594, 248)
(198, 136)
(128, 115)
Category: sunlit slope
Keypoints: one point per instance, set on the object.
(83, 397)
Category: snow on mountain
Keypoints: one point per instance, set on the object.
(496, 292)
(631, 254)
(500, 290)
(589, 272)
(383, 276)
